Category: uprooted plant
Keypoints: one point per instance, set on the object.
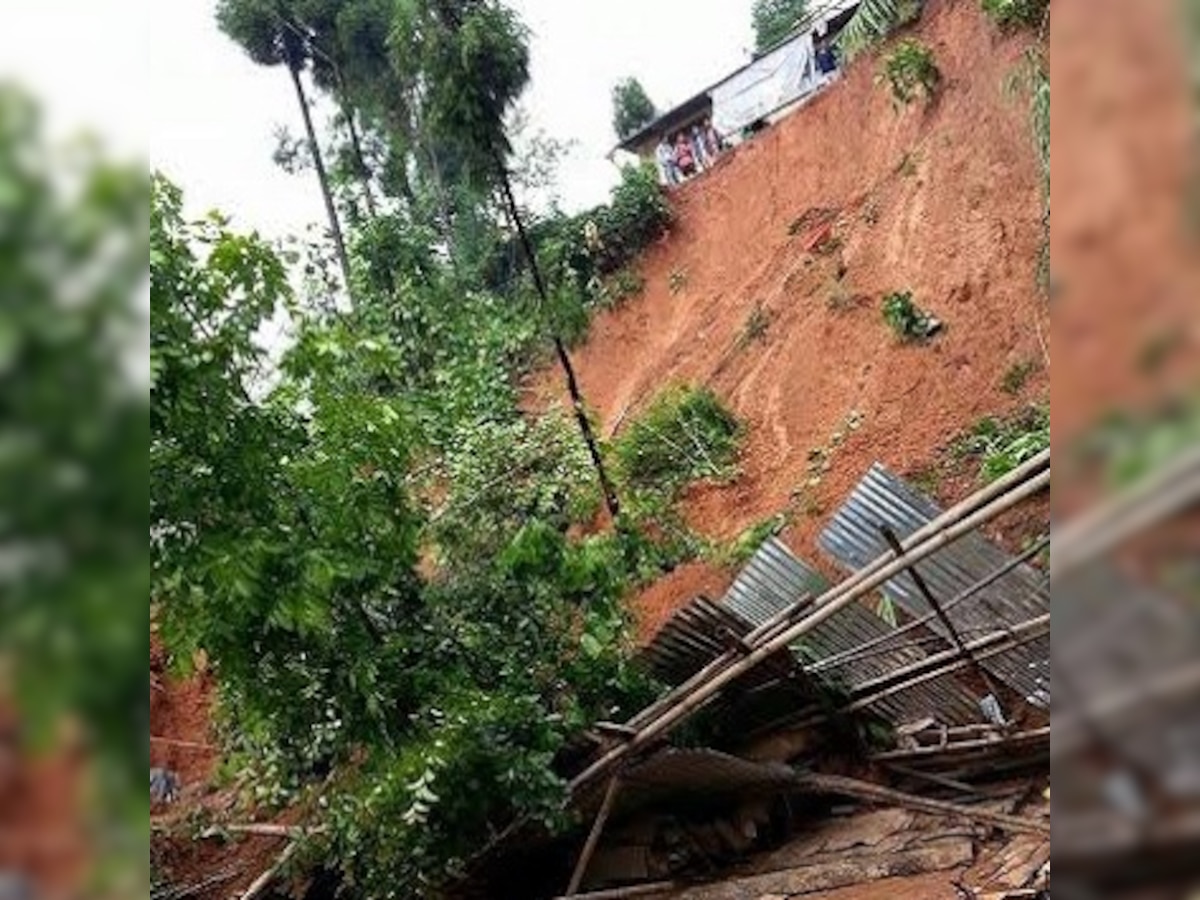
(911, 72)
(908, 322)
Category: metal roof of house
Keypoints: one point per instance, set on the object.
(689, 109)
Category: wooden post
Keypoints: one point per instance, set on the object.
(894, 543)
(632, 890)
(593, 838)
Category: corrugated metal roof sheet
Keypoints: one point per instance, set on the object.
(693, 637)
(854, 540)
(775, 578)
(1124, 633)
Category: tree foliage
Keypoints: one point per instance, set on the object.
(873, 21)
(288, 521)
(467, 61)
(632, 107)
(773, 20)
(72, 461)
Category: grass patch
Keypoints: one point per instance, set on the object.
(737, 553)
(842, 300)
(686, 434)
(676, 281)
(813, 217)
(907, 167)
(1002, 444)
(1012, 14)
(755, 327)
(928, 480)
(620, 287)
(1018, 376)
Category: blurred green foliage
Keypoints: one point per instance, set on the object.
(73, 477)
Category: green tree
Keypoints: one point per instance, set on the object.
(773, 20)
(632, 107)
(271, 36)
(284, 543)
(471, 61)
(286, 522)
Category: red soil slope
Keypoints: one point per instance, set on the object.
(181, 739)
(943, 201)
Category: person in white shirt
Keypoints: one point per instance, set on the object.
(664, 155)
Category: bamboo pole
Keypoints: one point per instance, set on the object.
(265, 829)
(863, 650)
(919, 672)
(593, 838)
(632, 890)
(187, 745)
(956, 513)
(894, 542)
(772, 628)
(1155, 498)
(1024, 737)
(1016, 490)
(263, 881)
(728, 658)
(939, 780)
(874, 793)
(948, 661)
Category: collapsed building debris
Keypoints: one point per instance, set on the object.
(813, 710)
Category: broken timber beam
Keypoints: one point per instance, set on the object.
(874, 793)
(593, 838)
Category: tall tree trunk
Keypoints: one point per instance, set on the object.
(322, 176)
(360, 161)
(564, 359)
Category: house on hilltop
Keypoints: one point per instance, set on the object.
(759, 93)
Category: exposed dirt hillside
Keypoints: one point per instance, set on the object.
(814, 222)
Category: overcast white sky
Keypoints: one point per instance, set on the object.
(161, 82)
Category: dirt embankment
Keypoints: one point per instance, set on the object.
(182, 741)
(808, 227)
